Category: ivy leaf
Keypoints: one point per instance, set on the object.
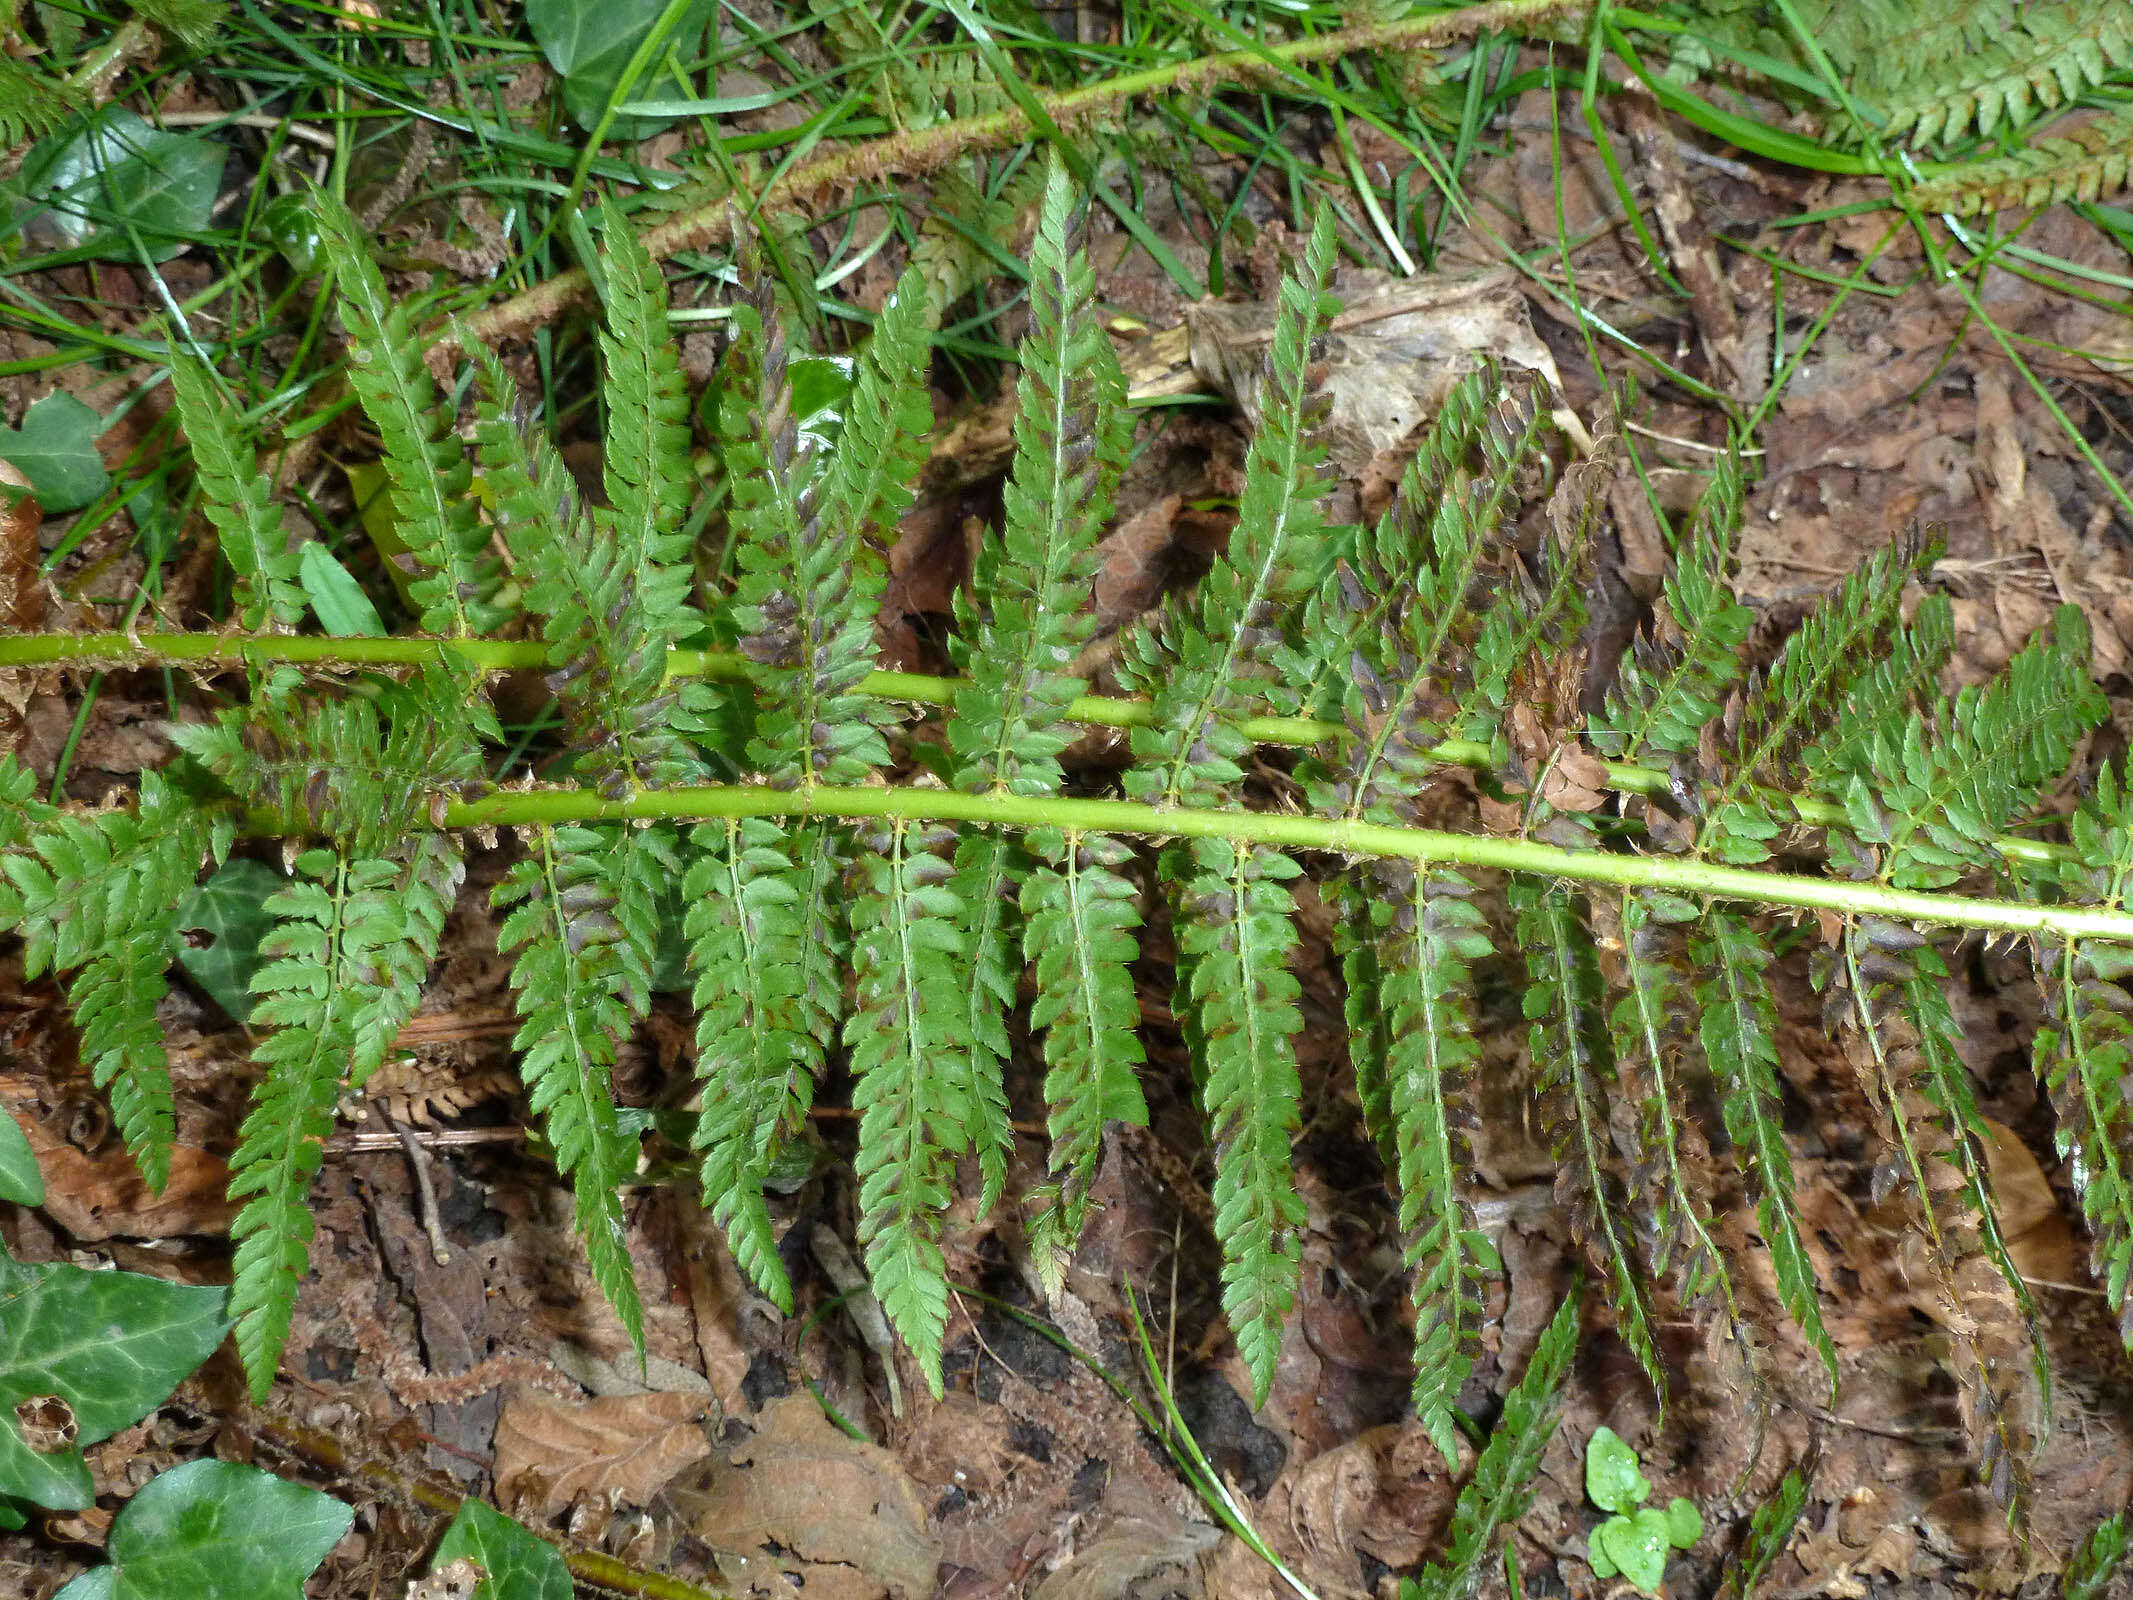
(56, 449)
(230, 908)
(114, 186)
(20, 1181)
(1613, 1477)
(213, 1528)
(516, 1564)
(343, 609)
(1636, 1545)
(589, 44)
(108, 1346)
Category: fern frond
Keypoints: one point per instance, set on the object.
(2096, 1563)
(1495, 1497)
(2088, 162)
(804, 600)
(1079, 916)
(2084, 1044)
(196, 23)
(1770, 1530)
(98, 896)
(1739, 1036)
(1235, 933)
(2050, 54)
(1204, 667)
(572, 985)
(1645, 953)
(866, 484)
(1907, 1054)
(962, 222)
(1425, 956)
(990, 869)
(909, 1053)
(756, 1059)
(1883, 694)
(435, 514)
(1569, 1037)
(645, 457)
(1672, 685)
(1800, 694)
(1932, 805)
(342, 971)
(31, 104)
(238, 500)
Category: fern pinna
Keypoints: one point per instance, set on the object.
(860, 899)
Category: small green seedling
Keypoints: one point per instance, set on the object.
(1636, 1539)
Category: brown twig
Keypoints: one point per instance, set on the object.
(915, 154)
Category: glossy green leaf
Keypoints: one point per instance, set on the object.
(20, 1181)
(56, 449)
(1636, 1546)
(516, 1564)
(342, 608)
(220, 926)
(589, 43)
(115, 187)
(1612, 1476)
(112, 1345)
(214, 1528)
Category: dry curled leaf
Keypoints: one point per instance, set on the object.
(624, 1448)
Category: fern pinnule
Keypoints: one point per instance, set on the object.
(341, 973)
(1569, 1040)
(573, 998)
(1495, 1497)
(1235, 932)
(1887, 689)
(2085, 162)
(1737, 1027)
(1079, 915)
(1425, 953)
(1205, 664)
(1644, 955)
(1934, 799)
(98, 896)
(757, 1058)
(239, 501)
(1812, 677)
(1671, 685)
(2084, 1044)
(866, 484)
(435, 513)
(909, 1046)
(645, 440)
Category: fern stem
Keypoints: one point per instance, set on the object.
(1358, 839)
(123, 650)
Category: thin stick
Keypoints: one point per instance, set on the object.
(425, 1192)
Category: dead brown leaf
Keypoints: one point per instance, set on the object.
(814, 1501)
(626, 1447)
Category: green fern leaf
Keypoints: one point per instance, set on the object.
(646, 441)
(1495, 1497)
(1203, 668)
(1235, 932)
(1080, 913)
(756, 1058)
(1568, 1040)
(1671, 687)
(1883, 694)
(98, 896)
(1425, 986)
(342, 972)
(888, 418)
(239, 501)
(1811, 680)
(31, 104)
(989, 871)
(572, 982)
(909, 1054)
(435, 513)
(1739, 1035)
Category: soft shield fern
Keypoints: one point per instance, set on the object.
(881, 889)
